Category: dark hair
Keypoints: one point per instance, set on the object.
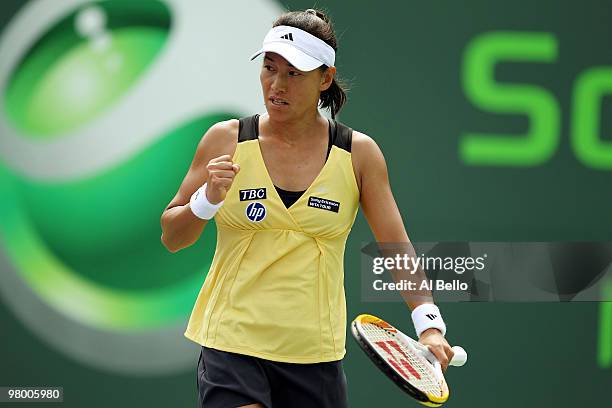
(317, 23)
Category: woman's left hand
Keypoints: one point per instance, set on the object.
(438, 345)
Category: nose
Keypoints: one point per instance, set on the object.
(280, 83)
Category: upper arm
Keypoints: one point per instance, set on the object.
(220, 139)
(377, 201)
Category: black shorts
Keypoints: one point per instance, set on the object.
(229, 380)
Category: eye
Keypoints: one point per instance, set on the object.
(268, 68)
(294, 73)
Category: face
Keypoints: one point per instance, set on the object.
(289, 92)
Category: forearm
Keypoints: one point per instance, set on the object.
(393, 241)
(383, 215)
(180, 227)
(406, 268)
(407, 272)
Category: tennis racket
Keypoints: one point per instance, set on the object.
(408, 363)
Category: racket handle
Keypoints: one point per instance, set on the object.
(459, 358)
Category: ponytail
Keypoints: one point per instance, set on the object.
(334, 97)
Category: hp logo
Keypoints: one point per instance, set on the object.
(76, 77)
(256, 211)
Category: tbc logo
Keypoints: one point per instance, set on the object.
(256, 211)
(82, 125)
(253, 194)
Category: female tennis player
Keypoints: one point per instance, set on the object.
(284, 188)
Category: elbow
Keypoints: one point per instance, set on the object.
(169, 242)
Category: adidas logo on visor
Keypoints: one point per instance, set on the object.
(287, 37)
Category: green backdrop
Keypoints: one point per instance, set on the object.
(428, 80)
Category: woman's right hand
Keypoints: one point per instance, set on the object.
(212, 163)
(221, 173)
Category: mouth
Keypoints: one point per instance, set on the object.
(278, 101)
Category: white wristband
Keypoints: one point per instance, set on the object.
(427, 316)
(201, 207)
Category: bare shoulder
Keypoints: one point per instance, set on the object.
(366, 156)
(221, 138)
(365, 152)
(363, 146)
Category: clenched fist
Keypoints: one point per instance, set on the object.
(221, 173)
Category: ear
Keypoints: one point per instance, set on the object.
(327, 78)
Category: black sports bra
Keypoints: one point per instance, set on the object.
(289, 197)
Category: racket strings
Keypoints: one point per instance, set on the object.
(392, 348)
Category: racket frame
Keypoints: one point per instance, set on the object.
(422, 397)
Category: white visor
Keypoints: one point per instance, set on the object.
(303, 50)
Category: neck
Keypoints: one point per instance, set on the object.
(296, 129)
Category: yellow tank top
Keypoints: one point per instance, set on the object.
(275, 288)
